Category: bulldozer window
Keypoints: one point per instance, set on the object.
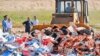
(61, 6)
(77, 6)
(67, 7)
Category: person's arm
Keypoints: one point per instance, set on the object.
(31, 23)
(24, 22)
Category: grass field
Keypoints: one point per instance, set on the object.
(94, 17)
(19, 16)
(44, 16)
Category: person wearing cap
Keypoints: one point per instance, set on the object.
(4, 23)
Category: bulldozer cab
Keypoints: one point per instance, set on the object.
(67, 11)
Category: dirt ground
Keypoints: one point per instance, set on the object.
(16, 30)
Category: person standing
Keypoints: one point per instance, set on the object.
(4, 23)
(27, 25)
(36, 21)
(9, 25)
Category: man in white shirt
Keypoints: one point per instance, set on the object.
(9, 25)
(36, 21)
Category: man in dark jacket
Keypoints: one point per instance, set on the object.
(27, 25)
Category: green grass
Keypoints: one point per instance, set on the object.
(94, 17)
(44, 16)
(19, 16)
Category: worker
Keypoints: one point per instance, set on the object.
(9, 25)
(27, 24)
(36, 21)
(69, 8)
(4, 23)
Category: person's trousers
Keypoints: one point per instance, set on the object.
(5, 29)
(9, 30)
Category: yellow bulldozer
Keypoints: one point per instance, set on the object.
(68, 11)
